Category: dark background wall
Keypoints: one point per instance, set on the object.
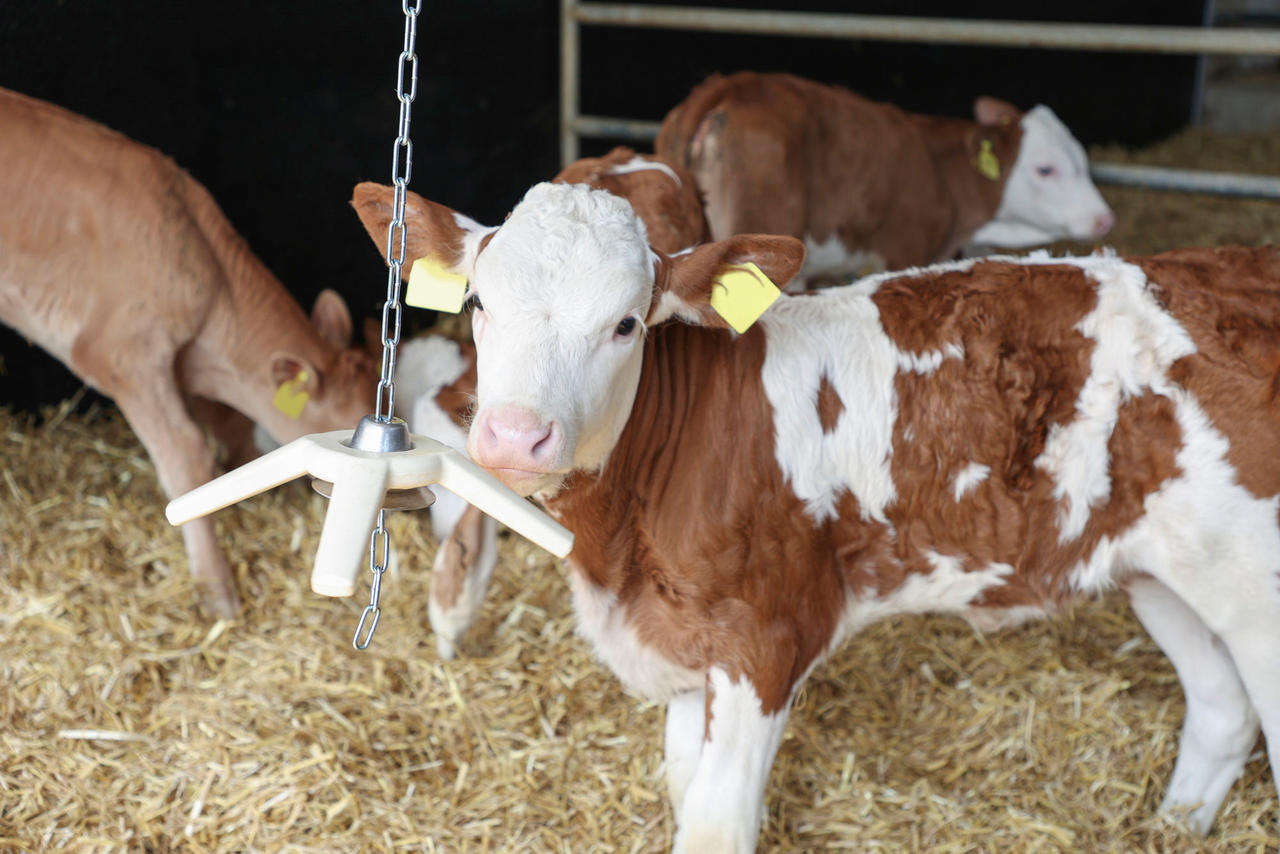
(280, 108)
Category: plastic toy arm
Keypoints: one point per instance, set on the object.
(266, 472)
(478, 487)
(344, 539)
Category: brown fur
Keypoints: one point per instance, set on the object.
(830, 406)
(727, 569)
(731, 571)
(1235, 322)
(672, 214)
(777, 154)
(458, 554)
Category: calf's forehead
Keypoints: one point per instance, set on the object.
(1042, 129)
(569, 251)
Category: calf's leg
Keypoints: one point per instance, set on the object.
(685, 730)
(462, 569)
(721, 809)
(232, 430)
(1221, 726)
(183, 461)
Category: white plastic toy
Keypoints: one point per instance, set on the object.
(363, 467)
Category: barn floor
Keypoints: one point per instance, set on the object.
(129, 721)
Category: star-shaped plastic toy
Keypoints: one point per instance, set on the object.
(362, 467)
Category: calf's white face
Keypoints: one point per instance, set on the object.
(564, 293)
(564, 288)
(1048, 195)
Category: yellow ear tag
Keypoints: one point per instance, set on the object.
(432, 285)
(988, 164)
(741, 293)
(291, 397)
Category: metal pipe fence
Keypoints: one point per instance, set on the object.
(1017, 34)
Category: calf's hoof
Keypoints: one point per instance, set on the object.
(219, 597)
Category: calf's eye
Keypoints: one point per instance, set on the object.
(474, 299)
(1045, 171)
(625, 327)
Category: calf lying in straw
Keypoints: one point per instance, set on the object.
(988, 438)
(438, 376)
(868, 186)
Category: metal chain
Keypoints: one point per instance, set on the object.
(401, 159)
(384, 406)
(377, 565)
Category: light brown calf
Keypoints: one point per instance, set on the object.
(868, 186)
(118, 263)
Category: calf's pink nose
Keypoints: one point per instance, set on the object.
(515, 437)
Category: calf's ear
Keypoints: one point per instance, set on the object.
(994, 112)
(450, 238)
(332, 319)
(685, 283)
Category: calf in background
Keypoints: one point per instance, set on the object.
(868, 186)
(119, 264)
(437, 376)
(988, 438)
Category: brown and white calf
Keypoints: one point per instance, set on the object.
(988, 438)
(869, 186)
(118, 263)
(436, 377)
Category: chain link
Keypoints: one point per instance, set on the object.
(378, 559)
(401, 171)
(385, 404)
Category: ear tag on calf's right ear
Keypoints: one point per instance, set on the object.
(741, 293)
(291, 396)
(988, 164)
(434, 286)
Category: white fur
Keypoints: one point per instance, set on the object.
(640, 164)
(969, 477)
(1037, 209)
(474, 235)
(832, 258)
(948, 589)
(565, 268)
(927, 362)
(1135, 343)
(639, 667)
(809, 338)
(686, 724)
(722, 808)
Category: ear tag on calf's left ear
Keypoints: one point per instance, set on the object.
(741, 293)
(434, 286)
(988, 164)
(291, 396)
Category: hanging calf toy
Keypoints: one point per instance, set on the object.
(437, 376)
(118, 263)
(380, 465)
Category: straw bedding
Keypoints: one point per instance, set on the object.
(130, 722)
